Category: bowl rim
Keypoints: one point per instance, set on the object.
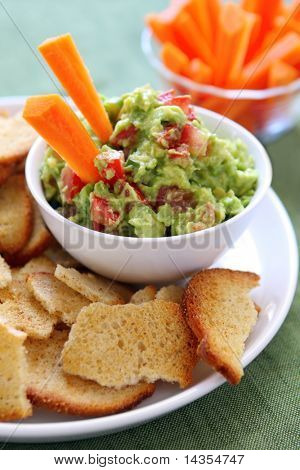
(226, 93)
(263, 185)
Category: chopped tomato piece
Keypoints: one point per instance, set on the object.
(166, 96)
(110, 164)
(177, 198)
(191, 114)
(183, 102)
(194, 139)
(140, 193)
(182, 151)
(71, 184)
(102, 213)
(98, 227)
(169, 98)
(170, 136)
(126, 137)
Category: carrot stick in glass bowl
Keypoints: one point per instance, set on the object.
(287, 49)
(63, 57)
(231, 28)
(59, 126)
(173, 58)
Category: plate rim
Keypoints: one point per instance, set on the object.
(85, 428)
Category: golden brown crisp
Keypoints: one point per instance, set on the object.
(16, 138)
(13, 374)
(124, 344)
(15, 215)
(221, 314)
(50, 387)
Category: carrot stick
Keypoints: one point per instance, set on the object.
(268, 10)
(241, 48)
(255, 39)
(162, 25)
(294, 25)
(66, 62)
(159, 28)
(285, 24)
(199, 11)
(293, 10)
(281, 74)
(55, 121)
(214, 8)
(173, 58)
(198, 71)
(191, 37)
(273, 36)
(286, 49)
(230, 30)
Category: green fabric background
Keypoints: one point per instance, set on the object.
(263, 412)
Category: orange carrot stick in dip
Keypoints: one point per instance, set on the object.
(66, 62)
(281, 74)
(286, 49)
(173, 58)
(55, 121)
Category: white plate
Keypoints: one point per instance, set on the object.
(268, 248)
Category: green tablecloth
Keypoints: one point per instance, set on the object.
(263, 412)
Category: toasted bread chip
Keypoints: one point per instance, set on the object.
(6, 171)
(221, 313)
(20, 166)
(5, 274)
(41, 264)
(59, 256)
(93, 287)
(16, 138)
(22, 311)
(15, 215)
(56, 297)
(13, 375)
(17, 274)
(49, 386)
(144, 295)
(37, 243)
(170, 294)
(5, 295)
(125, 344)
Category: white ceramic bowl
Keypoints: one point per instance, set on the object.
(153, 260)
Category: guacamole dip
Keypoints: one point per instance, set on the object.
(162, 172)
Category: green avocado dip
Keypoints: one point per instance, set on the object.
(162, 173)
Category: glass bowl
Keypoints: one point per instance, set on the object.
(266, 113)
